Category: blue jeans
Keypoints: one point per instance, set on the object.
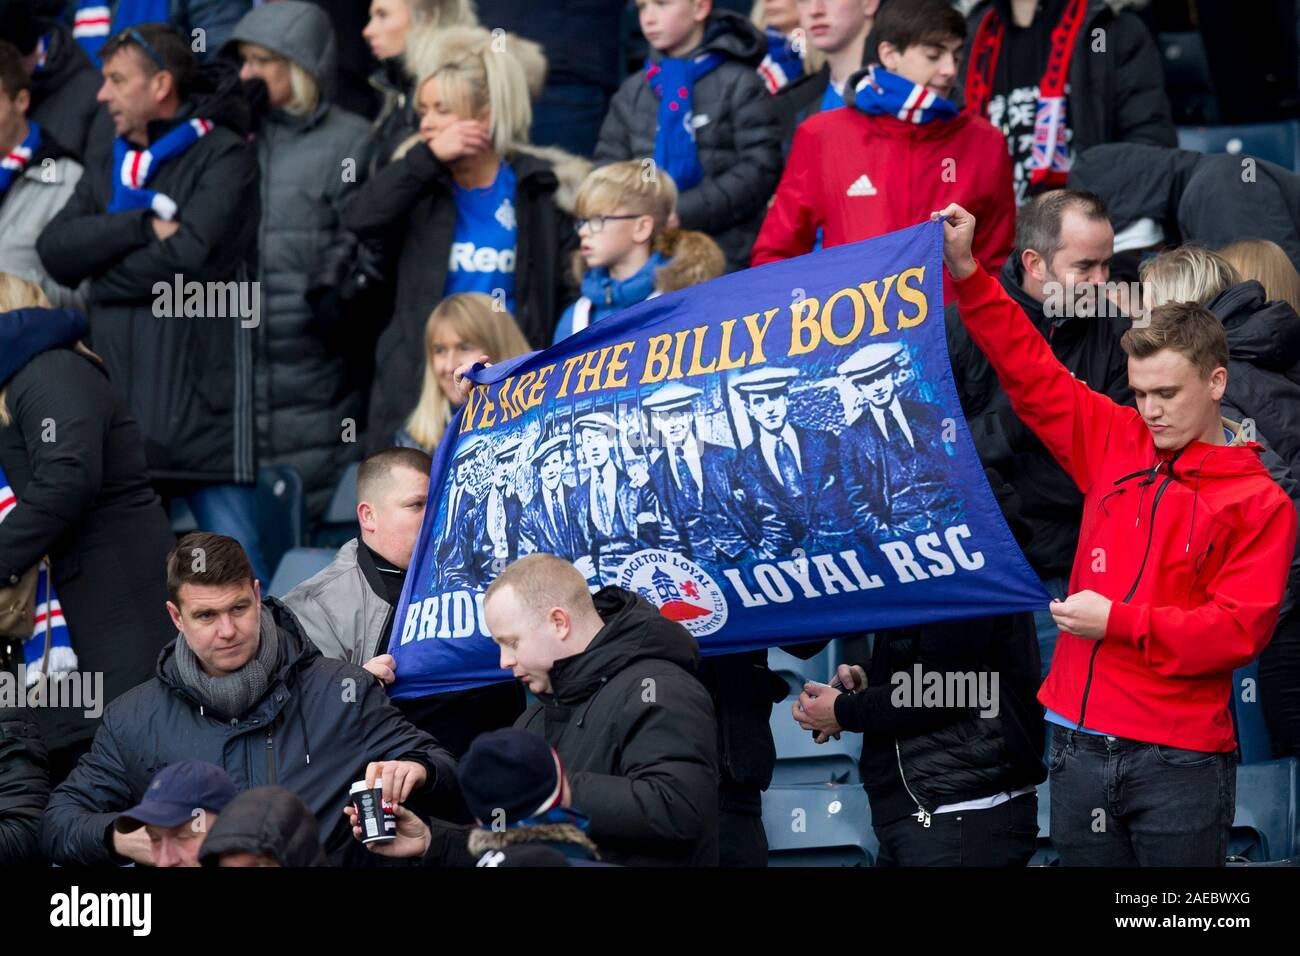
(1118, 802)
(1045, 625)
(568, 115)
(231, 510)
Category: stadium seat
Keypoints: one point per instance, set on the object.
(1266, 829)
(800, 761)
(828, 825)
(1276, 142)
(1188, 81)
(339, 524)
(297, 565)
(794, 670)
(1248, 715)
(280, 512)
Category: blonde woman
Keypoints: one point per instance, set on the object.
(461, 329)
(80, 495)
(304, 389)
(469, 208)
(1268, 264)
(387, 32)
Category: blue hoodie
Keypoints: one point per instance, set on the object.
(608, 295)
(26, 333)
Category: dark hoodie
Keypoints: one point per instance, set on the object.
(635, 731)
(1211, 199)
(188, 380)
(738, 138)
(266, 821)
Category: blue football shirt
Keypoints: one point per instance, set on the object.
(483, 247)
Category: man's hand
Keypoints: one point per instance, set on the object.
(412, 834)
(850, 677)
(401, 778)
(135, 845)
(958, 234)
(164, 229)
(1083, 614)
(384, 667)
(465, 137)
(463, 384)
(815, 709)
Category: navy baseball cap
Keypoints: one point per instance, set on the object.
(176, 792)
(512, 771)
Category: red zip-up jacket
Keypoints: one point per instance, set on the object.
(1192, 546)
(857, 176)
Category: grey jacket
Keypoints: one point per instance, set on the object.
(339, 611)
(738, 138)
(305, 391)
(32, 201)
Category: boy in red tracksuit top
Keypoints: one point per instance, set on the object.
(1182, 562)
(897, 150)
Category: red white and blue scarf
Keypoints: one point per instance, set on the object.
(13, 164)
(132, 168)
(95, 20)
(881, 93)
(62, 657)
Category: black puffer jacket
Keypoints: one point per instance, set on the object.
(63, 98)
(921, 757)
(1116, 89)
(739, 147)
(635, 731)
(1197, 197)
(315, 729)
(188, 380)
(307, 385)
(410, 205)
(1263, 366)
(266, 821)
(24, 788)
(1052, 505)
(85, 500)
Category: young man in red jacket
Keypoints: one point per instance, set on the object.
(1182, 562)
(898, 150)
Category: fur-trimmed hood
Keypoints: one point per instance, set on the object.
(481, 840)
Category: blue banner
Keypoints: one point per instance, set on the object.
(775, 456)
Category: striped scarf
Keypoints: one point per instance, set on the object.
(132, 168)
(62, 657)
(95, 21)
(881, 93)
(12, 166)
(784, 61)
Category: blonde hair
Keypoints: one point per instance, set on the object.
(478, 72)
(813, 58)
(16, 293)
(641, 189)
(442, 13)
(1267, 263)
(304, 90)
(1187, 274)
(472, 318)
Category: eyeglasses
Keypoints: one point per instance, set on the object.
(134, 36)
(597, 223)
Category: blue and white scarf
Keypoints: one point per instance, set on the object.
(881, 93)
(62, 657)
(783, 63)
(132, 168)
(95, 21)
(673, 81)
(13, 164)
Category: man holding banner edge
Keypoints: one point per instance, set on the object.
(1156, 620)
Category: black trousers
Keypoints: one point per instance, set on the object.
(1279, 686)
(1005, 835)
